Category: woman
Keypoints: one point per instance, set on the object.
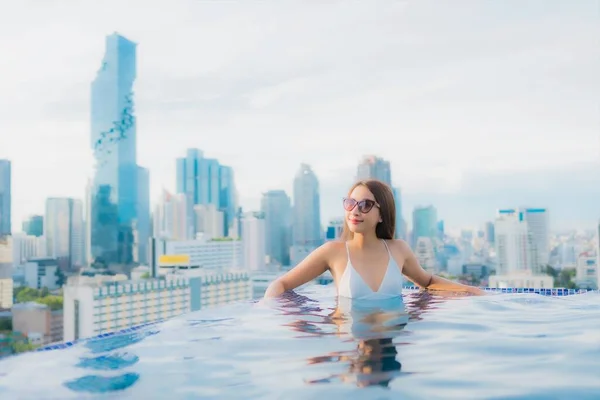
(369, 262)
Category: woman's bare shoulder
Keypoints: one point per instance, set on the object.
(399, 245)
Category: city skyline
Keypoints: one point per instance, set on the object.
(536, 81)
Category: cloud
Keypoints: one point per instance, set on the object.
(440, 89)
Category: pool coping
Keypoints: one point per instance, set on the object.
(558, 292)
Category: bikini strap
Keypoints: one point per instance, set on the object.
(347, 250)
(386, 246)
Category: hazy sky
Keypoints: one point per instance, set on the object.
(471, 101)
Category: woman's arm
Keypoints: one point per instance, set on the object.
(413, 271)
(311, 267)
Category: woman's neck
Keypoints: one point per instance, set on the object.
(364, 241)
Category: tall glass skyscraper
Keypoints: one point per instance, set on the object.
(306, 229)
(5, 197)
(276, 207)
(205, 181)
(64, 231)
(424, 223)
(114, 196)
(373, 167)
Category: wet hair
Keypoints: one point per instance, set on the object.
(387, 208)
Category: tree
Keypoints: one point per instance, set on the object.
(6, 325)
(27, 294)
(60, 277)
(54, 302)
(22, 346)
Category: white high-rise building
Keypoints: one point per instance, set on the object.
(25, 247)
(538, 225)
(254, 241)
(515, 249)
(209, 221)
(170, 217)
(425, 254)
(587, 270)
(64, 231)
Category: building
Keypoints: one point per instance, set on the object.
(6, 285)
(5, 198)
(42, 273)
(209, 221)
(171, 217)
(425, 253)
(25, 247)
(204, 181)
(64, 232)
(521, 279)
(306, 226)
(114, 192)
(96, 305)
(35, 319)
(254, 241)
(277, 209)
(537, 220)
(488, 233)
(424, 223)
(142, 227)
(587, 270)
(373, 167)
(334, 229)
(400, 222)
(199, 254)
(515, 248)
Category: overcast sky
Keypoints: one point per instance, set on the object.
(451, 92)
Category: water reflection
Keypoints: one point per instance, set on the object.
(373, 326)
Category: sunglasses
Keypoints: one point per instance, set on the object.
(364, 206)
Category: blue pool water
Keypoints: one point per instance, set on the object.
(310, 346)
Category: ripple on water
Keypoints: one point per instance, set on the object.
(115, 342)
(308, 345)
(102, 384)
(108, 362)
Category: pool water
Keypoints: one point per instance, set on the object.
(308, 345)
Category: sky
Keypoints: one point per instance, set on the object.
(476, 104)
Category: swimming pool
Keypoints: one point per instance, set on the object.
(511, 345)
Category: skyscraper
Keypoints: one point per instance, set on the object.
(277, 209)
(515, 245)
(114, 192)
(5, 197)
(306, 228)
(171, 217)
(253, 232)
(142, 225)
(400, 222)
(424, 223)
(373, 167)
(205, 181)
(537, 223)
(64, 231)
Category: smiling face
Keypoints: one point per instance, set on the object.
(362, 210)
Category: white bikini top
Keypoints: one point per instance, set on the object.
(353, 286)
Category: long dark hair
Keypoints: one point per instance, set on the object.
(386, 229)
